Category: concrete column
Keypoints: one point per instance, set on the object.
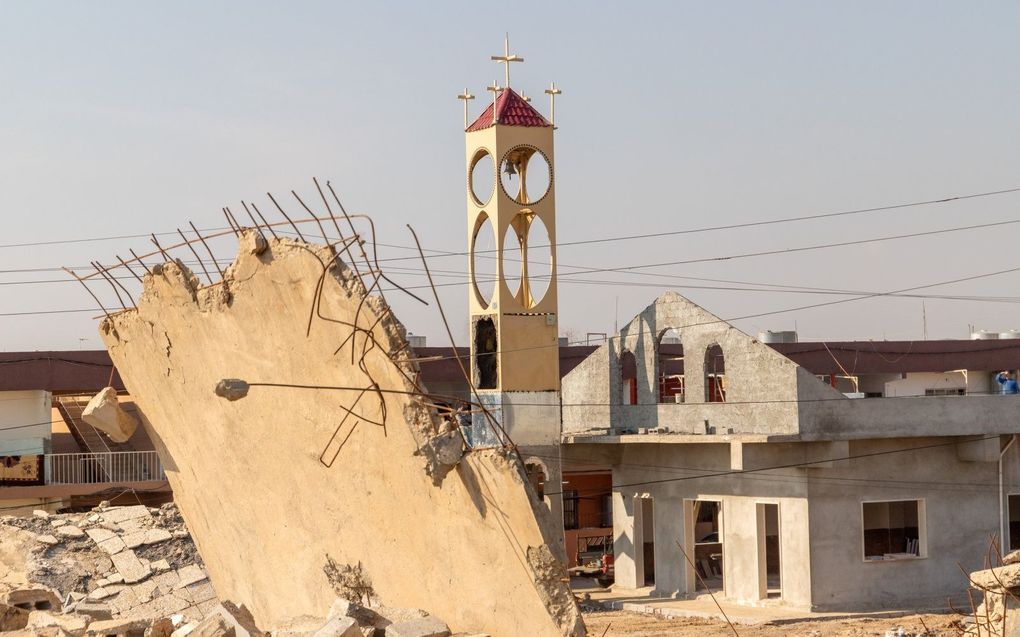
(669, 561)
(740, 549)
(625, 545)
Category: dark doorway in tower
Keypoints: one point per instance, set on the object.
(485, 354)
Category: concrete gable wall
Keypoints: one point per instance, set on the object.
(762, 386)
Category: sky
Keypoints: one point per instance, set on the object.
(125, 118)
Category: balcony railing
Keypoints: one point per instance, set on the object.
(106, 467)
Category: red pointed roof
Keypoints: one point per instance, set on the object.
(511, 110)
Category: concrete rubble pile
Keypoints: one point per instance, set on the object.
(998, 615)
(134, 571)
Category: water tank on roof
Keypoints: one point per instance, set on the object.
(983, 335)
(1009, 334)
(786, 336)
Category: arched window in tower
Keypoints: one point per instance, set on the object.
(715, 375)
(628, 378)
(670, 366)
(485, 354)
(525, 174)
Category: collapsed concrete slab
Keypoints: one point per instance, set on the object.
(330, 455)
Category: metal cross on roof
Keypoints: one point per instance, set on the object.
(552, 92)
(464, 97)
(495, 89)
(507, 58)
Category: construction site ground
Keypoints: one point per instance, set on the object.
(630, 624)
(636, 613)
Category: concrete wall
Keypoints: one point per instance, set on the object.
(916, 383)
(670, 476)
(25, 427)
(962, 512)
(762, 386)
(471, 546)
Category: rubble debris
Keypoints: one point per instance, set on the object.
(105, 414)
(998, 614)
(12, 617)
(99, 578)
(343, 437)
(339, 627)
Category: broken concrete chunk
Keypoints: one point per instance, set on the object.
(155, 536)
(113, 545)
(58, 522)
(161, 628)
(12, 618)
(128, 565)
(213, 626)
(95, 611)
(232, 388)
(238, 618)
(39, 513)
(70, 531)
(339, 627)
(47, 539)
(100, 535)
(105, 414)
(73, 624)
(421, 627)
(119, 627)
(190, 575)
(33, 598)
(116, 515)
(159, 566)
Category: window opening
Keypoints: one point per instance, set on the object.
(715, 375)
(628, 378)
(893, 530)
(670, 359)
(648, 539)
(570, 520)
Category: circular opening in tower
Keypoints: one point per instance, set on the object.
(483, 260)
(540, 260)
(527, 258)
(513, 258)
(482, 177)
(525, 174)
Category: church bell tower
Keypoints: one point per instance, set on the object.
(511, 203)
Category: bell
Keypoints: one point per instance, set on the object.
(510, 169)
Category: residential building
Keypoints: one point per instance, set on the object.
(49, 457)
(770, 479)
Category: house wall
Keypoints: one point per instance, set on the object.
(961, 513)
(916, 383)
(639, 474)
(762, 386)
(21, 408)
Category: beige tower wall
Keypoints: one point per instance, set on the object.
(471, 547)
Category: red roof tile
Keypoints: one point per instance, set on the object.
(511, 110)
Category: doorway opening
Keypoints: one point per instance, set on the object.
(769, 571)
(648, 540)
(705, 527)
(486, 370)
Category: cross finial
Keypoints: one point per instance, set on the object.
(507, 58)
(495, 89)
(552, 92)
(525, 97)
(464, 97)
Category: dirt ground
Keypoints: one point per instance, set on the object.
(626, 624)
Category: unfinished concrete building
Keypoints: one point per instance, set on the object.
(737, 470)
